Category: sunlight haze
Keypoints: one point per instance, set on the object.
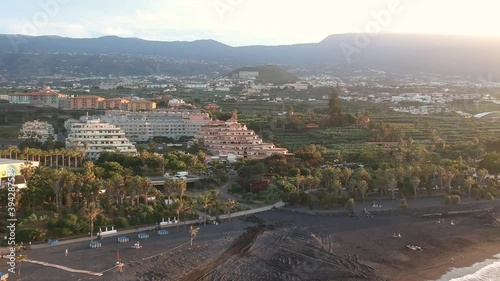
(245, 22)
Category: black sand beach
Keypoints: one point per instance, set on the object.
(283, 245)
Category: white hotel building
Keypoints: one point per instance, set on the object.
(142, 126)
(230, 138)
(96, 136)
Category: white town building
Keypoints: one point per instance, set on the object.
(232, 139)
(142, 126)
(96, 136)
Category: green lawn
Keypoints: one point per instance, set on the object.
(9, 132)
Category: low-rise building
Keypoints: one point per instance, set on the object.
(116, 103)
(141, 105)
(95, 137)
(44, 98)
(86, 102)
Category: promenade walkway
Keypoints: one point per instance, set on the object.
(147, 228)
(65, 268)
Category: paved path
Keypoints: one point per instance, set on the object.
(387, 204)
(224, 188)
(148, 228)
(61, 267)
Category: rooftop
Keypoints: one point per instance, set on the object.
(88, 97)
(35, 94)
(4, 161)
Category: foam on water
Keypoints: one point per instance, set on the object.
(488, 270)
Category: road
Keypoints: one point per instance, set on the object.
(161, 180)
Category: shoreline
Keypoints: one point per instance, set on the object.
(289, 246)
(439, 266)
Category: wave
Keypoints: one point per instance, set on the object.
(488, 270)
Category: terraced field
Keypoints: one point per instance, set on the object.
(352, 139)
(451, 129)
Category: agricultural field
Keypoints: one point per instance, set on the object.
(452, 129)
(352, 139)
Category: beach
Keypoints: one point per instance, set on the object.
(286, 245)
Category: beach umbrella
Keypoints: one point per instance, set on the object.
(118, 255)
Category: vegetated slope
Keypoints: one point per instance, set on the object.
(471, 57)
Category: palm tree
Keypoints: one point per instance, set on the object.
(132, 189)
(181, 186)
(19, 259)
(116, 184)
(44, 155)
(77, 153)
(16, 152)
(63, 152)
(363, 187)
(69, 181)
(187, 206)
(178, 207)
(481, 174)
(215, 198)
(10, 149)
(469, 182)
(26, 152)
(56, 186)
(193, 231)
(146, 186)
(27, 170)
(230, 205)
(69, 154)
(440, 172)
(415, 181)
(91, 212)
(50, 154)
(328, 177)
(39, 154)
(89, 172)
(449, 176)
(57, 152)
(346, 174)
(168, 188)
(206, 203)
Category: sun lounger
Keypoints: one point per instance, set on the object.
(414, 248)
(162, 232)
(95, 244)
(123, 239)
(143, 235)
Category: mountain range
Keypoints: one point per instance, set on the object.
(468, 57)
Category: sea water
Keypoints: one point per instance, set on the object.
(488, 270)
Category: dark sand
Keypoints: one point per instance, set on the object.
(281, 245)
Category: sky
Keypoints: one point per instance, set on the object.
(247, 22)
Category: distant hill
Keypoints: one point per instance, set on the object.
(471, 57)
(266, 74)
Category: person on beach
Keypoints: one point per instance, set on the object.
(66, 252)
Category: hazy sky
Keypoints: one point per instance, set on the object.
(247, 22)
